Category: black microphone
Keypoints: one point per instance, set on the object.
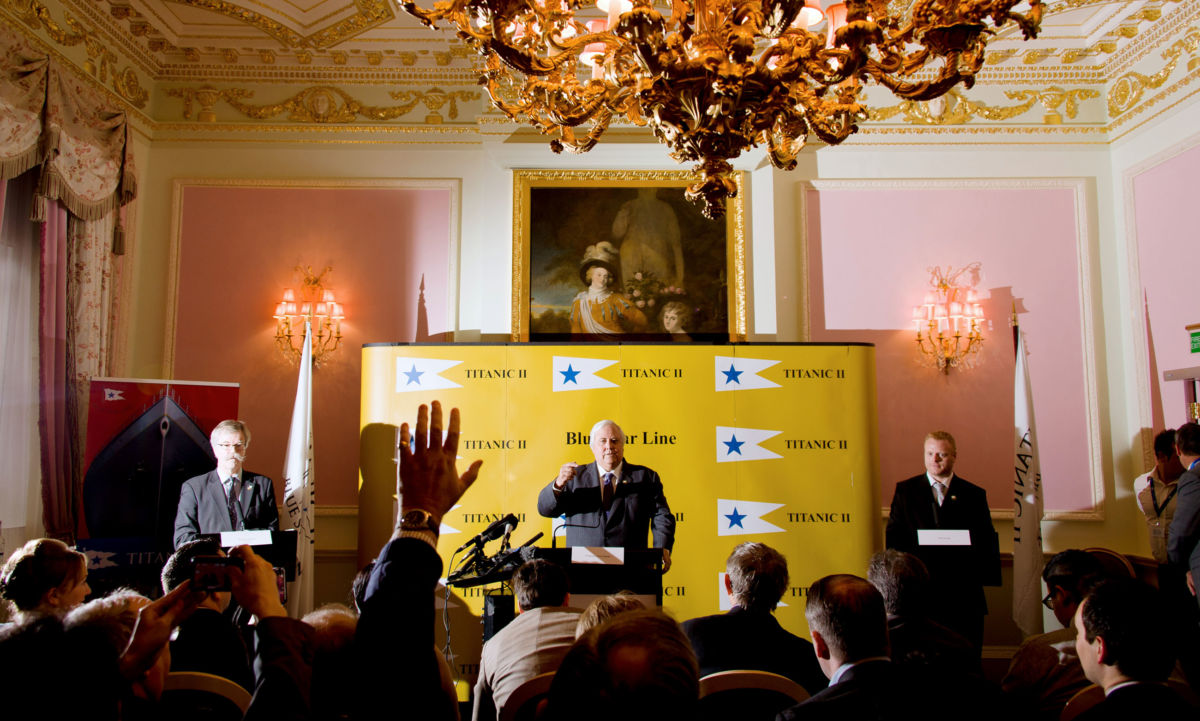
(554, 536)
(494, 531)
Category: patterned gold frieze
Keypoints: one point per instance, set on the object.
(321, 104)
(1054, 98)
(1129, 88)
(951, 109)
(370, 13)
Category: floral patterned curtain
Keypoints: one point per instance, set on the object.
(56, 123)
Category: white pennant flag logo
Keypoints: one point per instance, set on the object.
(421, 374)
(741, 444)
(740, 518)
(741, 374)
(579, 374)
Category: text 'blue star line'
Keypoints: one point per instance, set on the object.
(733, 445)
(569, 375)
(735, 518)
(414, 375)
(731, 375)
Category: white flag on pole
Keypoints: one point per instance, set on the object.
(299, 494)
(1027, 516)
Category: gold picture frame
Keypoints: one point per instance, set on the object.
(560, 216)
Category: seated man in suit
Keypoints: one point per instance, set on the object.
(940, 500)
(748, 637)
(848, 623)
(1124, 650)
(915, 639)
(610, 502)
(206, 640)
(532, 644)
(1045, 673)
(226, 498)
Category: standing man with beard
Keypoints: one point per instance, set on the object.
(610, 502)
(226, 498)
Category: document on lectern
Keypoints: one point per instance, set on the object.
(943, 537)
(598, 555)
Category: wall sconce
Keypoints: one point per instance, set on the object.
(318, 306)
(949, 319)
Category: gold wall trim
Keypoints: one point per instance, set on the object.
(370, 13)
(1127, 90)
(323, 104)
(954, 108)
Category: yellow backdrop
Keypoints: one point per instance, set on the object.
(770, 443)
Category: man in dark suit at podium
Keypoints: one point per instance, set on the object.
(226, 498)
(610, 502)
(943, 520)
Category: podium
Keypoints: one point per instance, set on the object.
(596, 572)
(591, 573)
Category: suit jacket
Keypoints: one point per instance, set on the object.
(882, 691)
(753, 640)
(921, 642)
(208, 642)
(534, 643)
(398, 666)
(1183, 538)
(1139, 699)
(202, 507)
(637, 501)
(957, 573)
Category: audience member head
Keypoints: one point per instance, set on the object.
(105, 626)
(334, 670)
(359, 585)
(756, 576)
(1166, 460)
(1069, 576)
(181, 567)
(902, 579)
(1187, 441)
(847, 620)
(604, 608)
(539, 583)
(44, 576)
(636, 666)
(1119, 634)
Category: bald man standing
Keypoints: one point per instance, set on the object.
(610, 502)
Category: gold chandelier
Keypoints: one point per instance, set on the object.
(948, 321)
(316, 304)
(718, 77)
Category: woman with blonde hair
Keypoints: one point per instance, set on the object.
(44, 577)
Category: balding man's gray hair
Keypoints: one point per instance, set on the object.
(601, 424)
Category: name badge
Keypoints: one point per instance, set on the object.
(598, 555)
(245, 538)
(943, 537)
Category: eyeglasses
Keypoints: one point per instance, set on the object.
(1048, 601)
(233, 446)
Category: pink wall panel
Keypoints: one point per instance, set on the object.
(869, 269)
(239, 247)
(1167, 241)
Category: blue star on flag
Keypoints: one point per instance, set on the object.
(569, 375)
(731, 375)
(734, 446)
(735, 518)
(414, 375)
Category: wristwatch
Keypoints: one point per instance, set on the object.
(419, 519)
